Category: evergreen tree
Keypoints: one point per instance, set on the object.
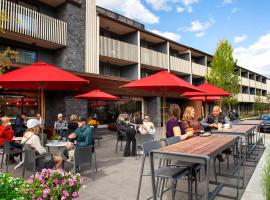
(223, 73)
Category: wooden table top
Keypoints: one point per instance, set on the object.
(250, 122)
(207, 146)
(237, 129)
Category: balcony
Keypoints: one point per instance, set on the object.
(153, 58)
(258, 85)
(117, 49)
(239, 97)
(245, 81)
(198, 69)
(245, 97)
(28, 26)
(252, 83)
(179, 65)
(264, 86)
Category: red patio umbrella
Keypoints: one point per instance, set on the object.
(164, 82)
(41, 76)
(94, 105)
(97, 95)
(205, 99)
(207, 90)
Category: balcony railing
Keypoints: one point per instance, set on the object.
(264, 86)
(252, 83)
(252, 98)
(179, 65)
(245, 97)
(198, 69)
(117, 49)
(153, 58)
(258, 85)
(31, 23)
(245, 81)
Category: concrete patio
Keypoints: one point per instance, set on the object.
(117, 176)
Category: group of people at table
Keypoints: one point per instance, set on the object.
(186, 128)
(77, 132)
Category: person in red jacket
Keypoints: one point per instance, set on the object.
(6, 132)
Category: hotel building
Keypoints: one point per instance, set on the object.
(109, 50)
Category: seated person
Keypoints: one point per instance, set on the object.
(84, 133)
(31, 138)
(147, 127)
(188, 123)
(173, 126)
(61, 126)
(73, 124)
(211, 121)
(20, 126)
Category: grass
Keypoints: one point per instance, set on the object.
(266, 178)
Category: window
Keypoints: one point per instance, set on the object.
(27, 56)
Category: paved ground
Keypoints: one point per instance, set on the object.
(117, 176)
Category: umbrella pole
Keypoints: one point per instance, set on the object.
(164, 123)
(42, 111)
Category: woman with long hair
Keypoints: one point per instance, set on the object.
(189, 123)
(173, 125)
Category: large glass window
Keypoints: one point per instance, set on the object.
(26, 56)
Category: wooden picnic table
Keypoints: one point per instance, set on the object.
(197, 150)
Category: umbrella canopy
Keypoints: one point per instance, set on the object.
(204, 98)
(208, 90)
(162, 81)
(97, 95)
(40, 76)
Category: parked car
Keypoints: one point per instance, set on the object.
(265, 127)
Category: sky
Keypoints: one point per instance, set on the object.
(201, 24)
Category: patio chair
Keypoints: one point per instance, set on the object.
(31, 159)
(120, 137)
(163, 172)
(140, 140)
(82, 156)
(44, 139)
(195, 168)
(97, 136)
(8, 150)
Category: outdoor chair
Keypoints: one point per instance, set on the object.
(8, 151)
(162, 172)
(44, 139)
(140, 140)
(97, 136)
(30, 160)
(195, 168)
(82, 156)
(120, 137)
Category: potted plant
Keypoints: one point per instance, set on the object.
(55, 137)
(266, 178)
(54, 184)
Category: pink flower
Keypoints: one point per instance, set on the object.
(46, 191)
(71, 182)
(30, 181)
(56, 181)
(64, 182)
(39, 198)
(65, 193)
(74, 194)
(43, 181)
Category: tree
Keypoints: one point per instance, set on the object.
(7, 56)
(260, 105)
(223, 73)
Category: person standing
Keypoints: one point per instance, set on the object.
(61, 126)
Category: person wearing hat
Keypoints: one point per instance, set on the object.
(32, 139)
(84, 133)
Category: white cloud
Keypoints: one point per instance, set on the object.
(180, 9)
(133, 9)
(239, 39)
(197, 26)
(200, 34)
(170, 35)
(228, 1)
(256, 56)
(189, 2)
(189, 9)
(165, 5)
(234, 10)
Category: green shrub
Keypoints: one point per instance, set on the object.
(266, 178)
(12, 188)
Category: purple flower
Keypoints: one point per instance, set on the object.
(64, 182)
(65, 193)
(71, 182)
(56, 181)
(74, 194)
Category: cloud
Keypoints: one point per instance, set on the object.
(234, 10)
(197, 26)
(189, 2)
(256, 56)
(165, 5)
(200, 34)
(228, 1)
(133, 9)
(180, 9)
(239, 39)
(170, 35)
